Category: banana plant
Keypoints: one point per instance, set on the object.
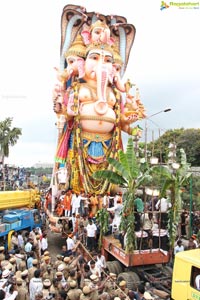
(126, 172)
(174, 177)
(102, 218)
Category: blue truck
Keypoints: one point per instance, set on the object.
(17, 220)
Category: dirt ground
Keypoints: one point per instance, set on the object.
(55, 242)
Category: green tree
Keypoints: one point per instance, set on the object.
(127, 174)
(161, 145)
(187, 139)
(8, 137)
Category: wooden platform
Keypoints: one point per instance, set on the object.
(137, 258)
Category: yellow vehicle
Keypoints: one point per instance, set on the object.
(186, 269)
(18, 199)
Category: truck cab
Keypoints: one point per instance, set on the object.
(186, 269)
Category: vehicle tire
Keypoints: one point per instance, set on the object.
(117, 266)
(135, 279)
(131, 279)
(110, 266)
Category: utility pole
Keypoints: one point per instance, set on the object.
(146, 128)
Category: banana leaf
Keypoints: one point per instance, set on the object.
(128, 159)
(121, 170)
(111, 176)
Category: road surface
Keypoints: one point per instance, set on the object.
(55, 242)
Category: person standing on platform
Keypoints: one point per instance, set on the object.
(138, 203)
(91, 231)
(163, 206)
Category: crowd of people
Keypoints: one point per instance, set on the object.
(29, 272)
(150, 217)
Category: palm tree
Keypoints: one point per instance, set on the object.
(8, 137)
(127, 173)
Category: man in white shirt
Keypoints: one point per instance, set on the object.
(106, 200)
(4, 279)
(70, 244)
(91, 230)
(117, 214)
(8, 296)
(94, 268)
(44, 243)
(163, 206)
(75, 203)
(101, 262)
(20, 240)
(61, 198)
(28, 245)
(35, 284)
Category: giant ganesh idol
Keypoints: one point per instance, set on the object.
(92, 103)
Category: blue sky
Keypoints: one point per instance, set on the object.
(164, 63)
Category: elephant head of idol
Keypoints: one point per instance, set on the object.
(98, 32)
(98, 71)
(75, 58)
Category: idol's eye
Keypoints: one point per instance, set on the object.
(117, 68)
(97, 31)
(70, 61)
(94, 56)
(108, 59)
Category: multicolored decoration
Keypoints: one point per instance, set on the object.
(92, 103)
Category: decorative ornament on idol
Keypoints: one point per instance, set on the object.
(61, 122)
(62, 175)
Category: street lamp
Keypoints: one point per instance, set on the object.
(161, 111)
(146, 119)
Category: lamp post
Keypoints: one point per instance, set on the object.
(146, 119)
(190, 225)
